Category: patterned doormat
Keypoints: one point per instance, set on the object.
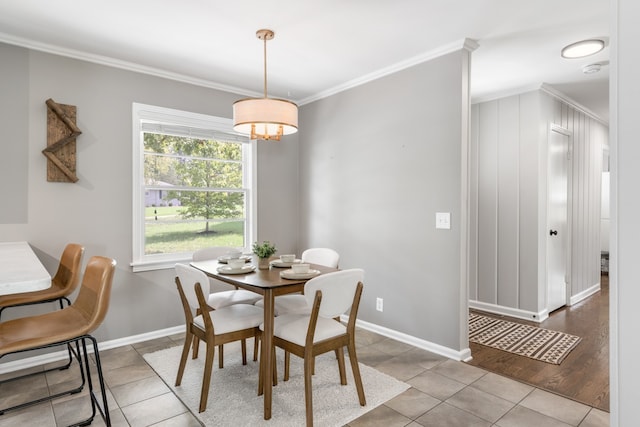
(524, 340)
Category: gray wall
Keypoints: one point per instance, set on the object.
(97, 210)
(14, 112)
(376, 163)
(508, 209)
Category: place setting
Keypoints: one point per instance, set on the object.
(285, 261)
(224, 259)
(236, 263)
(299, 271)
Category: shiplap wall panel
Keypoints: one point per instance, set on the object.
(487, 202)
(528, 203)
(508, 181)
(473, 205)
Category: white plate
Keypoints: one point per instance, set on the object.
(224, 258)
(282, 264)
(289, 274)
(225, 269)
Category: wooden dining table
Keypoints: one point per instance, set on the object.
(269, 284)
(21, 270)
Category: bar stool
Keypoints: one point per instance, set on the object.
(70, 327)
(62, 285)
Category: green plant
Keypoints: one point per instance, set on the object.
(264, 249)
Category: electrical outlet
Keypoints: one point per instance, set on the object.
(379, 304)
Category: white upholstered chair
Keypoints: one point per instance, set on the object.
(296, 303)
(231, 323)
(309, 335)
(322, 256)
(222, 294)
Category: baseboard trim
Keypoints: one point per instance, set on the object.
(42, 359)
(464, 354)
(584, 294)
(16, 365)
(508, 311)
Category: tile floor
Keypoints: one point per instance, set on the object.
(443, 393)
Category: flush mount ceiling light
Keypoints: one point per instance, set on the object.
(265, 118)
(582, 48)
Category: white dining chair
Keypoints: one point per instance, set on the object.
(297, 303)
(221, 294)
(322, 256)
(309, 335)
(217, 327)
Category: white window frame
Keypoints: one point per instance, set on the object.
(199, 125)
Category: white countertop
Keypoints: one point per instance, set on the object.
(20, 269)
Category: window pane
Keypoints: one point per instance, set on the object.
(161, 170)
(188, 220)
(164, 237)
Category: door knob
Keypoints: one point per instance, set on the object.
(553, 232)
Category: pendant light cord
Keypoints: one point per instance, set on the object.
(265, 67)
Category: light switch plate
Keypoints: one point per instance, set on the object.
(443, 220)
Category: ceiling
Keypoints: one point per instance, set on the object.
(322, 47)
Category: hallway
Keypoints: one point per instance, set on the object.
(584, 374)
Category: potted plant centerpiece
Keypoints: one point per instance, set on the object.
(264, 250)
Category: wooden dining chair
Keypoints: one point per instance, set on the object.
(62, 285)
(297, 303)
(222, 294)
(309, 335)
(232, 323)
(72, 327)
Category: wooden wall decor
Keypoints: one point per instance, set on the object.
(61, 142)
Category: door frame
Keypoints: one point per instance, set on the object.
(568, 279)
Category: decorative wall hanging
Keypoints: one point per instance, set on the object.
(61, 142)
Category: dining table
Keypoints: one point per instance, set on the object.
(21, 270)
(269, 284)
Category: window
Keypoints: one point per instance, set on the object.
(193, 186)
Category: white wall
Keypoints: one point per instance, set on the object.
(96, 211)
(376, 163)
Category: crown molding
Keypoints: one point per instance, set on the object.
(124, 65)
(550, 90)
(546, 88)
(467, 44)
(504, 94)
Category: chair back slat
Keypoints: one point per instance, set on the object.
(338, 289)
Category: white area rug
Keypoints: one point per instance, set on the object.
(233, 399)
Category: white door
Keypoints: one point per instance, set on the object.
(557, 230)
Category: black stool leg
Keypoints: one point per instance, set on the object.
(104, 410)
(85, 374)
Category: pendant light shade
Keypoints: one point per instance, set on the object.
(265, 118)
